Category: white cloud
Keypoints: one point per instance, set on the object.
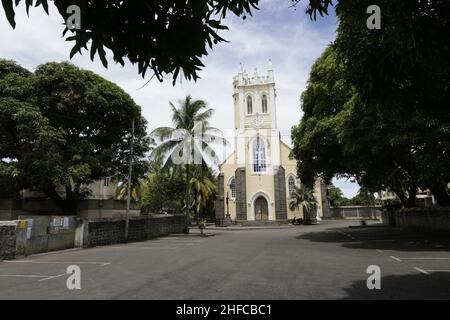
(276, 32)
(286, 36)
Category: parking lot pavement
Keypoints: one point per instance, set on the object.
(328, 261)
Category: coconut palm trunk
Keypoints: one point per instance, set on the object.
(187, 201)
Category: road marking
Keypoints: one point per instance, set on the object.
(437, 270)
(165, 245)
(396, 259)
(21, 276)
(380, 251)
(424, 258)
(53, 277)
(422, 271)
(101, 264)
(155, 248)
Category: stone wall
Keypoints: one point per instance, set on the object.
(241, 195)
(7, 240)
(280, 194)
(102, 232)
(220, 201)
(420, 219)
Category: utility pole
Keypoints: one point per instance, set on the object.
(130, 172)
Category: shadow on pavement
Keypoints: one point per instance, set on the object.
(381, 238)
(405, 287)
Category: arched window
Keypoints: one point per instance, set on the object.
(291, 185)
(259, 156)
(264, 104)
(249, 105)
(233, 188)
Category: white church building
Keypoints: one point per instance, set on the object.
(257, 179)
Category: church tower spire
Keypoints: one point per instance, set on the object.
(255, 99)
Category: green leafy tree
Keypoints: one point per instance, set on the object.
(136, 190)
(342, 135)
(190, 142)
(364, 198)
(410, 90)
(164, 36)
(64, 127)
(303, 197)
(203, 188)
(162, 189)
(15, 90)
(335, 196)
(315, 139)
(399, 76)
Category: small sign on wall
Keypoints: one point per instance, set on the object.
(66, 223)
(58, 222)
(22, 224)
(29, 228)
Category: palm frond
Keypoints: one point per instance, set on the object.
(204, 116)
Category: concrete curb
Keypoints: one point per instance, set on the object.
(249, 228)
(49, 253)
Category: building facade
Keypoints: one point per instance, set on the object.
(102, 202)
(257, 179)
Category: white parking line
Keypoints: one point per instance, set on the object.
(101, 264)
(428, 272)
(422, 271)
(424, 258)
(21, 276)
(396, 259)
(32, 276)
(53, 277)
(430, 258)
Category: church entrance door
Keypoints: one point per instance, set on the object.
(261, 209)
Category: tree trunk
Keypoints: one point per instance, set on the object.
(307, 217)
(55, 197)
(186, 200)
(440, 194)
(71, 201)
(401, 195)
(68, 206)
(411, 202)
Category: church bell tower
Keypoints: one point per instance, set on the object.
(255, 119)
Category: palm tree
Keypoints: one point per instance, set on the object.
(189, 142)
(136, 190)
(203, 189)
(303, 197)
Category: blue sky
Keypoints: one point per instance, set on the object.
(277, 32)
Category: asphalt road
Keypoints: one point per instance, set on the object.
(329, 261)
